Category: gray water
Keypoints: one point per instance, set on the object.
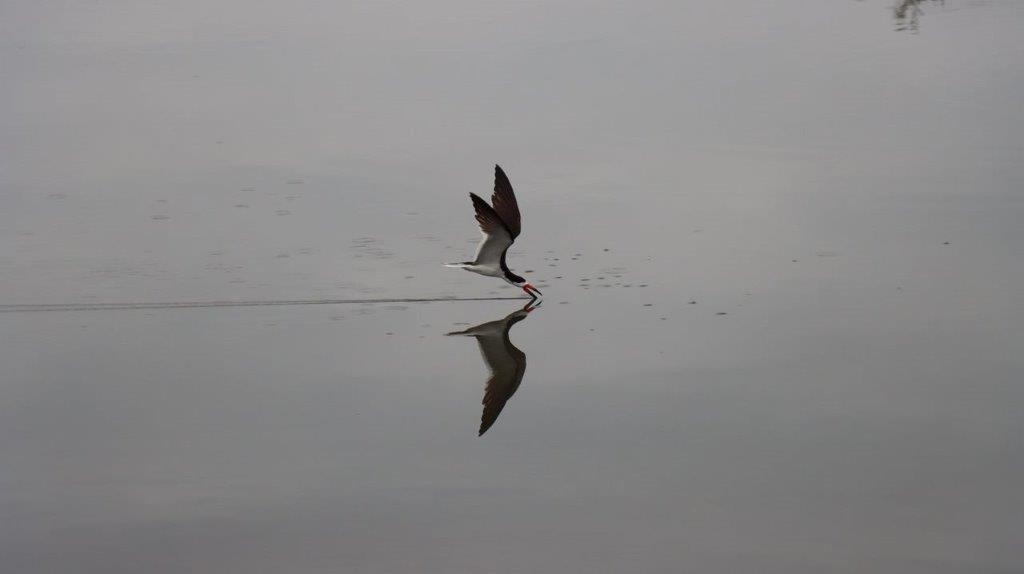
(780, 246)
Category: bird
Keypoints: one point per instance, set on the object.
(500, 225)
(506, 362)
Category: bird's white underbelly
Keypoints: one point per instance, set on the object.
(488, 270)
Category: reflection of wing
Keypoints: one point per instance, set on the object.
(506, 363)
(504, 201)
(496, 236)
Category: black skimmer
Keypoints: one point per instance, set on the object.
(500, 225)
(506, 363)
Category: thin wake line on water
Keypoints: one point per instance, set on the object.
(28, 308)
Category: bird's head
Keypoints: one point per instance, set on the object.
(530, 290)
(523, 284)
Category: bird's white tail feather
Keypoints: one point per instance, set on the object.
(459, 265)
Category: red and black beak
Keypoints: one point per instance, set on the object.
(531, 291)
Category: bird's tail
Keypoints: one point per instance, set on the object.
(459, 265)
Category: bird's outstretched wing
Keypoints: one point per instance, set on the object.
(496, 236)
(504, 201)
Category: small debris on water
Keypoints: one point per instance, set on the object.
(721, 313)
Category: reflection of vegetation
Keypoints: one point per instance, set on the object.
(908, 12)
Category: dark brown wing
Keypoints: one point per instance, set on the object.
(489, 220)
(496, 237)
(504, 201)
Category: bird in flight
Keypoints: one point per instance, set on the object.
(500, 225)
(506, 362)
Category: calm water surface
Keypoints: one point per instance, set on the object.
(780, 245)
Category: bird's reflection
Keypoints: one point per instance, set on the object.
(506, 362)
(907, 13)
